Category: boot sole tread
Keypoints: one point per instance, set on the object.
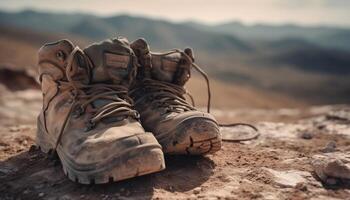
(149, 160)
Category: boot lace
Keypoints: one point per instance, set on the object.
(171, 96)
(163, 95)
(119, 104)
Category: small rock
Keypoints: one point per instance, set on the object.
(337, 169)
(301, 186)
(41, 194)
(330, 147)
(287, 179)
(318, 166)
(82, 196)
(197, 190)
(329, 169)
(306, 135)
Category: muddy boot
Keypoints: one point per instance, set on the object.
(158, 93)
(87, 115)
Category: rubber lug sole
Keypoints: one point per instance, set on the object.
(141, 162)
(196, 142)
(137, 166)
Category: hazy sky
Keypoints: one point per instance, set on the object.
(327, 12)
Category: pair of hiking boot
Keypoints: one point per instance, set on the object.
(110, 111)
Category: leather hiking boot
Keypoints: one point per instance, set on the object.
(158, 94)
(87, 115)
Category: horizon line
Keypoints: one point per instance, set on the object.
(248, 24)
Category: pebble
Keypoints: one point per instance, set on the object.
(301, 186)
(197, 190)
(330, 147)
(330, 170)
(337, 169)
(306, 135)
(318, 166)
(287, 179)
(41, 194)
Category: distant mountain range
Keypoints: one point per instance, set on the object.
(325, 36)
(98, 27)
(161, 34)
(288, 58)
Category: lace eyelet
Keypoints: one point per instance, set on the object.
(78, 112)
(89, 126)
(137, 115)
(60, 55)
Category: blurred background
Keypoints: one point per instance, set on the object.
(259, 54)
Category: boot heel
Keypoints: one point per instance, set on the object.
(42, 139)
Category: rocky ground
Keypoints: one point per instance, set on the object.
(300, 154)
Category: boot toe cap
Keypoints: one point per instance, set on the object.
(112, 156)
(194, 136)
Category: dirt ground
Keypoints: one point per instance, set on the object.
(277, 165)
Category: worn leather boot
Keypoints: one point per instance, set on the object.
(158, 93)
(87, 115)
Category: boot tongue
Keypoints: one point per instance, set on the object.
(78, 69)
(169, 67)
(113, 61)
(173, 68)
(142, 51)
(62, 61)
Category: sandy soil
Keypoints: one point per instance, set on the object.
(275, 166)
